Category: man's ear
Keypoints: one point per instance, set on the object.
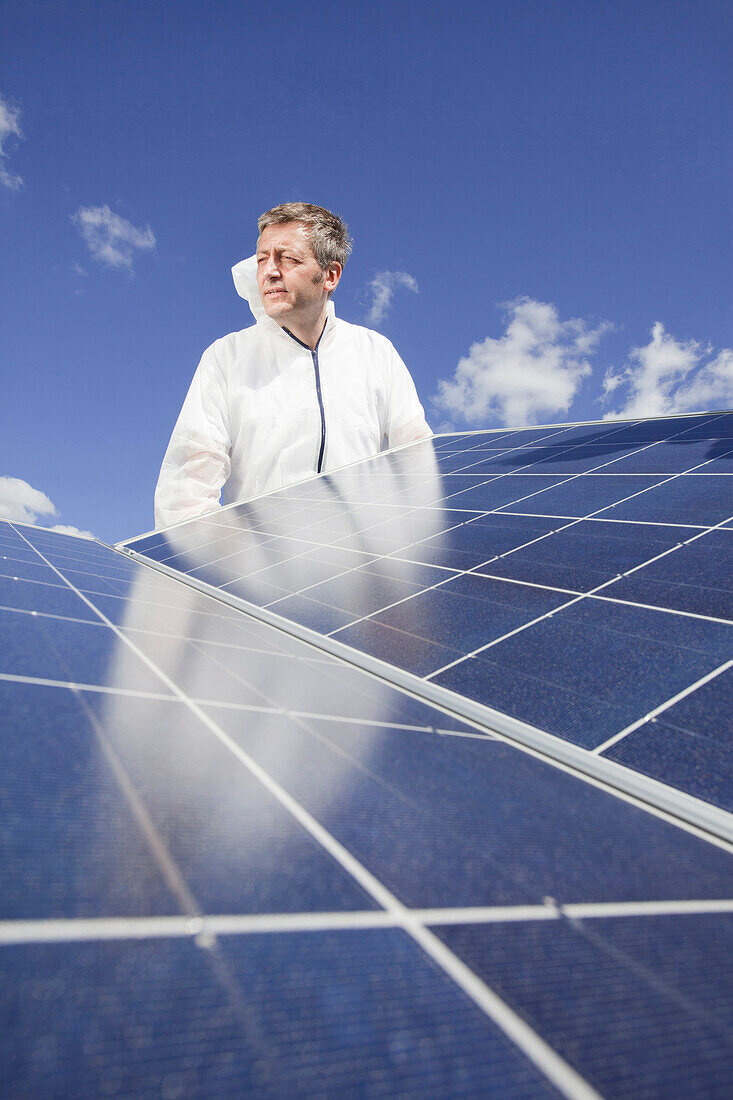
(332, 275)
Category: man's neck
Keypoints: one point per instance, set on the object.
(308, 331)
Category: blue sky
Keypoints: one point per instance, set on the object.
(540, 195)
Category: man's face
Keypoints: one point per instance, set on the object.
(291, 283)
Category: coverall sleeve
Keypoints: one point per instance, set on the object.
(196, 464)
(405, 416)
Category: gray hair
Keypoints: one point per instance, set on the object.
(328, 234)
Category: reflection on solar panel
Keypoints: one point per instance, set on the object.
(576, 580)
(414, 779)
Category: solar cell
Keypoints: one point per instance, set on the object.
(590, 664)
(703, 500)
(689, 744)
(242, 855)
(697, 579)
(605, 966)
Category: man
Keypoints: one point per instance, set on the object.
(298, 393)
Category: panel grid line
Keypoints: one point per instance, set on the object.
(71, 685)
(661, 708)
(593, 592)
(663, 480)
(371, 723)
(476, 570)
(609, 519)
(60, 930)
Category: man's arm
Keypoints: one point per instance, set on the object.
(196, 464)
(405, 416)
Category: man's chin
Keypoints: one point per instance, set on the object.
(276, 309)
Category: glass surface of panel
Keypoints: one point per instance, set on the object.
(516, 550)
(235, 861)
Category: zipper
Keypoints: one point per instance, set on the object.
(319, 394)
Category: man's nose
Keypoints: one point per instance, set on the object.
(272, 269)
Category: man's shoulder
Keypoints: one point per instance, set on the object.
(234, 341)
(367, 336)
(232, 347)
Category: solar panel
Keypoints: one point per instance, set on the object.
(244, 856)
(537, 573)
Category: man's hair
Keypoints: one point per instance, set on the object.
(328, 235)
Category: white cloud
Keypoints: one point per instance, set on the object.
(668, 376)
(9, 129)
(67, 529)
(530, 373)
(382, 290)
(11, 180)
(110, 238)
(21, 503)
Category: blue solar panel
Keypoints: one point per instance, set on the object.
(465, 564)
(243, 856)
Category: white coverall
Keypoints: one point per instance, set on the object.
(263, 410)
